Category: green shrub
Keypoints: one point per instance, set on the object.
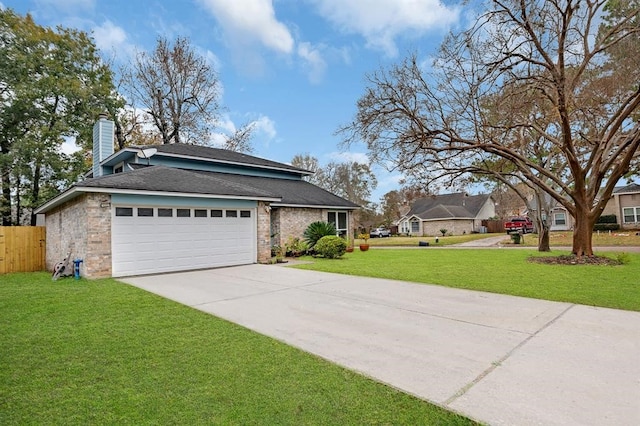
(331, 246)
(317, 230)
(295, 247)
(606, 227)
(608, 218)
(623, 258)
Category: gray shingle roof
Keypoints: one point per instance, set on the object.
(168, 179)
(633, 187)
(221, 155)
(448, 206)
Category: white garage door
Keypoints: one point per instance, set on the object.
(147, 240)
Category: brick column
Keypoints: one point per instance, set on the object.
(264, 232)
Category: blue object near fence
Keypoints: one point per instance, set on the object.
(76, 268)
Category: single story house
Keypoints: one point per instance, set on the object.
(559, 220)
(458, 213)
(625, 204)
(178, 207)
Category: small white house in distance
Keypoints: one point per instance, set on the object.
(178, 207)
(458, 213)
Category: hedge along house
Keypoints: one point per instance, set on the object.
(179, 207)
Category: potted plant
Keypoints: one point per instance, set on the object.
(365, 245)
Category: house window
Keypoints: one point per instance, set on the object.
(631, 214)
(232, 213)
(415, 226)
(245, 213)
(339, 220)
(119, 168)
(560, 218)
(200, 213)
(124, 211)
(216, 213)
(165, 212)
(145, 211)
(183, 213)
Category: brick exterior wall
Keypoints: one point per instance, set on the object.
(263, 231)
(293, 222)
(83, 228)
(453, 227)
(288, 222)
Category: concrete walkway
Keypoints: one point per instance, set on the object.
(499, 359)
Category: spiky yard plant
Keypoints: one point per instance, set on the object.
(317, 230)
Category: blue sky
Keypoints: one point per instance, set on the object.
(294, 67)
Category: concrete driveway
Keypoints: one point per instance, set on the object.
(498, 359)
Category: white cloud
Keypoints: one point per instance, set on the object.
(248, 21)
(349, 157)
(313, 62)
(264, 130)
(380, 22)
(112, 38)
(266, 127)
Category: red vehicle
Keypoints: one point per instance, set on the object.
(519, 224)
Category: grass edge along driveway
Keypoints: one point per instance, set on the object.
(504, 271)
(102, 352)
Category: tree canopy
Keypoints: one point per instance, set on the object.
(547, 88)
(179, 92)
(53, 85)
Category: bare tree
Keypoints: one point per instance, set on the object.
(547, 57)
(240, 141)
(178, 89)
(310, 163)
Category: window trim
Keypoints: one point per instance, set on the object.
(635, 214)
(336, 224)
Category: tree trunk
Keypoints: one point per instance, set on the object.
(543, 239)
(5, 205)
(582, 233)
(35, 193)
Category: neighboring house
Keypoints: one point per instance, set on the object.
(559, 220)
(180, 207)
(625, 204)
(458, 213)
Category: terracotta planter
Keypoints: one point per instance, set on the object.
(349, 249)
(364, 247)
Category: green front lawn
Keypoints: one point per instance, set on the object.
(413, 241)
(503, 271)
(102, 352)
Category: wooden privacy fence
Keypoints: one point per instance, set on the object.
(22, 249)
(493, 226)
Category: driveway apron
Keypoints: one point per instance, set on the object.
(495, 358)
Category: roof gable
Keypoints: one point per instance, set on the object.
(448, 206)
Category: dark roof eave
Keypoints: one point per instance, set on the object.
(75, 191)
(315, 206)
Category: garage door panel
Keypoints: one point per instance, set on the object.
(152, 244)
